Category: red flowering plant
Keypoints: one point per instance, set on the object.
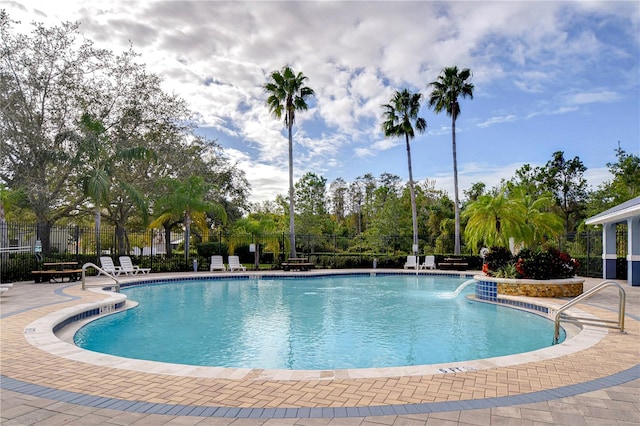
(498, 263)
(537, 264)
(540, 264)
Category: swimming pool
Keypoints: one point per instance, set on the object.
(329, 322)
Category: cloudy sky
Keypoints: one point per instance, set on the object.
(549, 76)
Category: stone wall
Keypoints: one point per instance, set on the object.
(541, 290)
(489, 288)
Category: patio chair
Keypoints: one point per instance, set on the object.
(217, 264)
(412, 262)
(235, 265)
(127, 266)
(106, 264)
(429, 263)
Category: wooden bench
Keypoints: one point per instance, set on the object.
(297, 264)
(61, 265)
(53, 275)
(453, 264)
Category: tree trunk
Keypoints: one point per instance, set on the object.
(167, 240)
(187, 237)
(98, 219)
(414, 213)
(456, 249)
(121, 246)
(292, 229)
(44, 235)
(4, 231)
(256, 256)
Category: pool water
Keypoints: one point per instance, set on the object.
(332, 322)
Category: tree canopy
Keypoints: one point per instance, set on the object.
(77, 125)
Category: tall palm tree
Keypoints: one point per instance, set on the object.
(287, 94)
(399, 117)
(449, 86)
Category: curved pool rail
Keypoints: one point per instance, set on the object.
(619, 324)
(100, 270)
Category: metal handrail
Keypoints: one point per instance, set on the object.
(596, 322)
(93, 265)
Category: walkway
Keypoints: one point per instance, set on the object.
(599, 384)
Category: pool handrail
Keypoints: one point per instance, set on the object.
(596, 322)
(93, 265)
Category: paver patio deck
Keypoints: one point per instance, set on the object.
(599, 384)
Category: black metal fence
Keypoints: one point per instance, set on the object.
(164, 251)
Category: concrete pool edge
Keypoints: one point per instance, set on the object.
(40, 334)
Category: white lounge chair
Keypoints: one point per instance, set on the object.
(217, 264)
(234, 264)
(429, 263)
(127, 266)
(106, 263)
(412, 262)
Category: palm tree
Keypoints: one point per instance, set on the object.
(288, 94)
(492, 220)
(100, 160)
(399, 116)
(540, 223)
(186, 199)
(449, 86)
(259, 229)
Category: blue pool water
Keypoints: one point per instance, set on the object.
(333, 322)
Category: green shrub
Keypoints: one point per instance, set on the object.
(545, 264)
(209, 249)
(506, 271)
(498, 257)
(537, 264)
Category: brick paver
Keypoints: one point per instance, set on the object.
(21, 361)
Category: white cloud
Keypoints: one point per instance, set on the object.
(266, 179)
(529, 59)
(496, 120)
(601, 96)
(389, 143)
(364, 152)
(597, 176)
(549, 111)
